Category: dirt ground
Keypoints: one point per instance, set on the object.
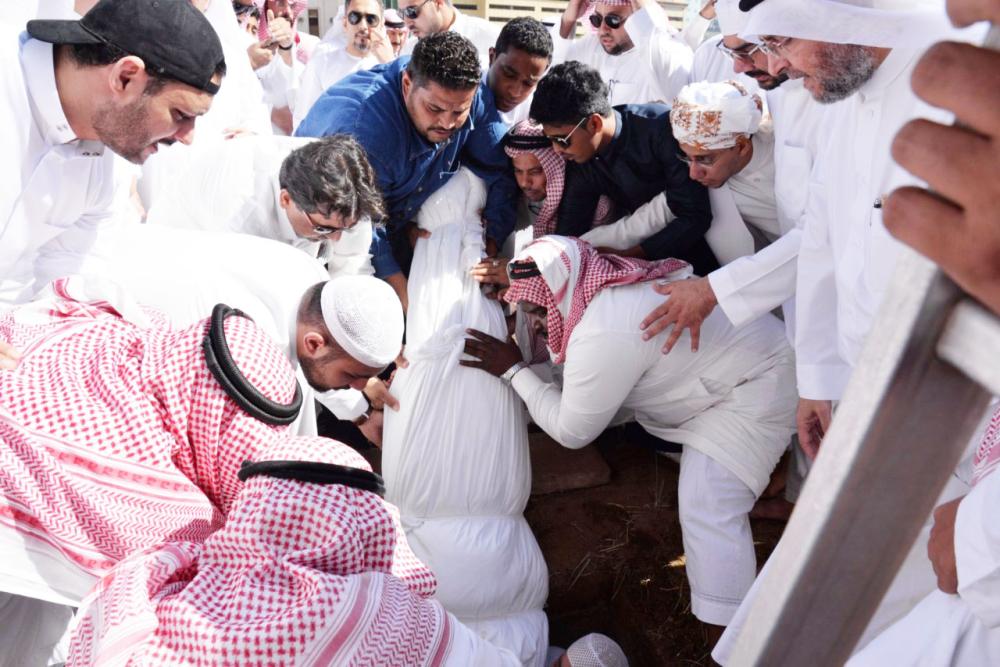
(616, 562)
(615, 558)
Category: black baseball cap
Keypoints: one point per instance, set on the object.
(173, 38)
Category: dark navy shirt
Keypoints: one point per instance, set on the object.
(641, 162)
(369, 105)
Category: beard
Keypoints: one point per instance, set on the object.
(845, 68)
(123, 129)
(765, 80)
(362, 43)
(617, 49)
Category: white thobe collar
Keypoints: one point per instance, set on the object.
(46, 109)
(895, 65)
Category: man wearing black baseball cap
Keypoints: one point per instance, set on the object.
(128, 76)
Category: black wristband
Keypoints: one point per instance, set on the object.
(285, 48)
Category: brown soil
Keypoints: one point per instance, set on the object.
(616, 562)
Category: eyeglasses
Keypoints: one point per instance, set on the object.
(413, 11)
(701, 160)
(564, 142)
(613, 21)
(354, 18)
(775, 46)
(320, 229)
(740, 53)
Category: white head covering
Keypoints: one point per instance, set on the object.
(732, 21)
(393, 16)
(596, 650)
(710, 116)
(365, 317)
(881, 23)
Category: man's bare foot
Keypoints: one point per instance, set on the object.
(772, 509)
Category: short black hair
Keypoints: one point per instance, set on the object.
(99, 55)
(447, 59)
(526, 34)
(569, 92)
(311, 314)
(332, 175)
(241, 9)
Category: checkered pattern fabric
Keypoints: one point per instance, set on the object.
(573, 272)
(301, 573)
(988, 453)
(114, 438)
(555, 182)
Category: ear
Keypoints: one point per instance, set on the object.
(407, 84)
(127, 77)
(312, 343)
(493, 55)
(284, 198)
(595, 124)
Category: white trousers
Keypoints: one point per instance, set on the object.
(912, 583)
(713, 505)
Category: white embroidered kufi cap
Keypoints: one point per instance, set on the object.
(596, 650)
(710, 116)
(365, 317)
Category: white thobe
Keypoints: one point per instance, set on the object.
(57, 190)
(712, 65)
(327, 66)
(963, 629)
(729, 404)
(847, 256)
(233, 186)
(654, 70)
(482, 33)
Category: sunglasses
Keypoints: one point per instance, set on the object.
(702, 160)
(354, 18)
(564, 142)
(613, 21)
(413, 11)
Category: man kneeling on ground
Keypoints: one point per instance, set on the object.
(731, 404)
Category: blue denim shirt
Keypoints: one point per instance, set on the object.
(369, 105)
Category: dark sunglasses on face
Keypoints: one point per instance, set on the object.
(413, 11)
(354, 18)
(613, 21)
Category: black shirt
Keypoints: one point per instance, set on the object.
(641, 162)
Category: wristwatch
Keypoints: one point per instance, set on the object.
(509, 374)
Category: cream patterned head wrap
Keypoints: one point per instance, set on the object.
(710, 116)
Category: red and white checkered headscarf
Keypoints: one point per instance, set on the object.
(301, 573)
(114, 438)
(555, 179)
(573, 272)
(987, 457)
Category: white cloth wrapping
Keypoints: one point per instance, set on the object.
(883, 23)
(455, 457)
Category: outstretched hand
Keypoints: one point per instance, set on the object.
(490, 354)
(690, 302)
(9, 357)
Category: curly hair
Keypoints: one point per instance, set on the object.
(447, 59)
(526, 34)
(569, 92)
(332, 175)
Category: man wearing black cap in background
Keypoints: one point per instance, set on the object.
(129, 75)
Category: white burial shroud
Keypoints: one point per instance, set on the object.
(455, 457)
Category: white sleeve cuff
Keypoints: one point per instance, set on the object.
(822, 383)
(345, 404)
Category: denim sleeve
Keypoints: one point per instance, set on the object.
(381, 250)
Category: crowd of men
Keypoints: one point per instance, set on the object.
(691, 234)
